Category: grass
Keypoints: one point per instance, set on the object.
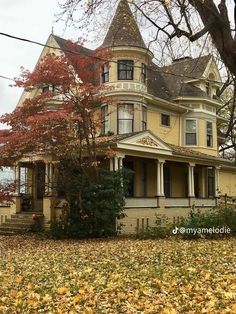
(117, 276)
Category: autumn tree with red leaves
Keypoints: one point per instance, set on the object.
(61, 117)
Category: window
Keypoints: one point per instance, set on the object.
(144, 118)
(208, 89)
(105, 73)
(165, 119)
(51, 88)
(45, 89)
(190, 132)
(104, 111)
(210, 182)
(209, 134)
(143, 73)
(125, 118)
(125, 69)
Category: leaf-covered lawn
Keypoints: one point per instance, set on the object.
(117, 276)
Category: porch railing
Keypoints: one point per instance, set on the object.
(205, 202)
(177, 202)
(136, 202)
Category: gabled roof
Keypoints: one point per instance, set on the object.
(64, 45)
(123, 30)
(177, 74)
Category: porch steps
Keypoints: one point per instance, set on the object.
(19, 223)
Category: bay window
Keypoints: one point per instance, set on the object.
(125, 69)
(125, 118)
(190, 132)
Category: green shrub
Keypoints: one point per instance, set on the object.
(95, 204)
(160, 230)
(214, 218)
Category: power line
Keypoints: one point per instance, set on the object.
(7, 78)
(96, 57)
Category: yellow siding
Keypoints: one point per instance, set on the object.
(228, 182)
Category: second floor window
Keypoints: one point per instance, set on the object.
(144, 118)
(190, 132)
(165, 119)
(105, 73)
(104, 111)
(143, 73)
(125, 69)
(125, 118)
(209, 134)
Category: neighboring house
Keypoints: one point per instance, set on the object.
(162, 124)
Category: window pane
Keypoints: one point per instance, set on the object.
(191, 126)
(125, 111)
(165, 119)
(209, 127)
(191, 139)
(125, 126)
(125, 69)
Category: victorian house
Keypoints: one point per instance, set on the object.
(162, 124)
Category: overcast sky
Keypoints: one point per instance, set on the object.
(31, 19)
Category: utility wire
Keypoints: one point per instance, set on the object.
(95, 57)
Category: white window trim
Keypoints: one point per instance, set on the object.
(184, 133)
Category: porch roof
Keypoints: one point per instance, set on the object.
(149, 140)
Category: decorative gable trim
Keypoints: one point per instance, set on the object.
(145, 142)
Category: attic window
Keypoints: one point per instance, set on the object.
(125, 69)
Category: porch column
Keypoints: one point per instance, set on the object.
(116, 163)
(50, 178)
(160, 177)
(47, 178)
(217, 181)
(191, 192)
(17, 178)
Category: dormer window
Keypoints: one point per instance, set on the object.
(105, 73)
(125, 69)
(143, 73)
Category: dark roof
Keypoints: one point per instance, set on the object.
(113, 139)
(185, 151)
(156, 84)
(123, 30)
(176, 75)
(65, 44)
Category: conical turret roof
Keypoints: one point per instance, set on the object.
(123, 30)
